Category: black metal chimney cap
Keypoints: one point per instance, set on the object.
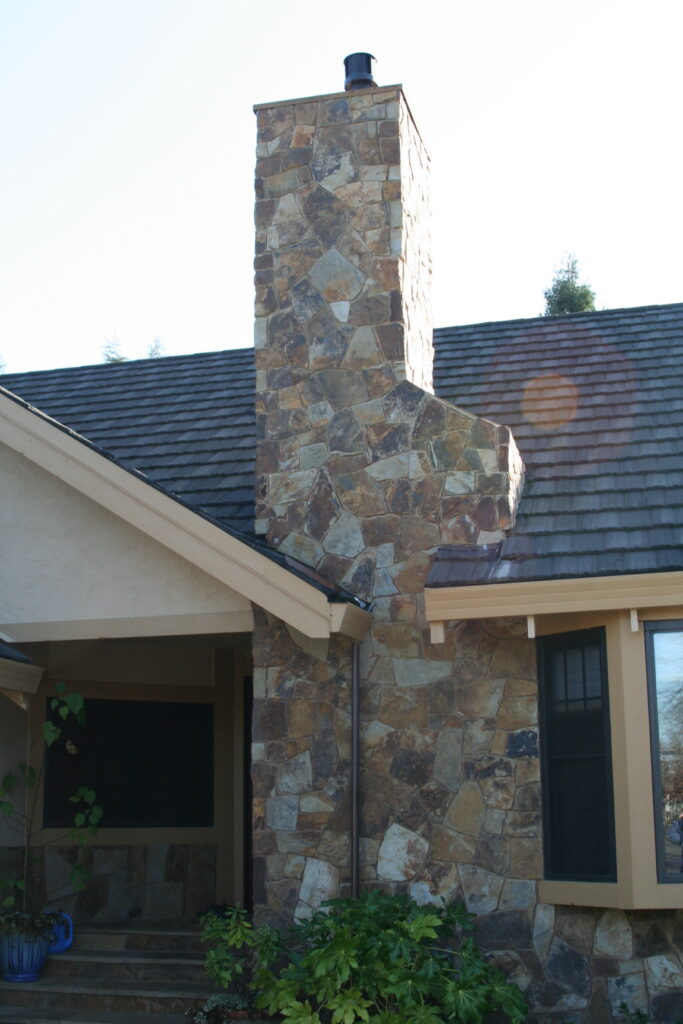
(358, 70)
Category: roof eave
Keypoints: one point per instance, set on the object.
(551, 597)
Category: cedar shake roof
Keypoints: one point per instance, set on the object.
(185, 422)
(595, 402)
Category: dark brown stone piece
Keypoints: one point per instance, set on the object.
(270, 720)
(324, 507)
(360, 495)
(327, 216)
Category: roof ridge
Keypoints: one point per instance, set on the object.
(599, 313)
(127, 363)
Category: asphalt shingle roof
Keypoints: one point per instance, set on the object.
(595, 402)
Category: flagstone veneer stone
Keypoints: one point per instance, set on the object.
(401, 854)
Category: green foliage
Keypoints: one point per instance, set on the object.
(227, 1001)
(636, 1016)
(19, 805)
(566, 294)
(632, 1016)
(377, 959)
(219, 1008)
(237, 949)
(32, 924)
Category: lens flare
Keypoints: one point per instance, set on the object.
(550, 401)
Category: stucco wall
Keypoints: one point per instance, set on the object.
(66, 558)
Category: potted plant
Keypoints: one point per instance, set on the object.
(27, 930)
(25, 937)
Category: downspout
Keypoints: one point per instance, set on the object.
(355, 765)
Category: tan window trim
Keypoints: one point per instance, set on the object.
(620, 603)
(637, 886)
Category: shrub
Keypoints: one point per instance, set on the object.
(378, 959)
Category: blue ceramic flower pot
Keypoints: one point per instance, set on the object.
(22, 959)
(62, 934)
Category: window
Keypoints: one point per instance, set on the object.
(629, 612)
(578, 799)
(134, 755)
(664, 659)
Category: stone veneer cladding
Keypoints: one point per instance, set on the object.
(362, 473)
(359, 468)
(141, 882)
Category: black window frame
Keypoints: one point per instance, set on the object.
(545, 646)
(650, 628)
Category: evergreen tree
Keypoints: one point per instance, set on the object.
(111, 351)
(566, 294)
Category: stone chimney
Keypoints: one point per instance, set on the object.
(350, 438)
(361, 473)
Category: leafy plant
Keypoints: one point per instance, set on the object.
(32, 924)
(629, 1016)
(237, 949)
(377, 959)
(19, 799)
(218, 1008)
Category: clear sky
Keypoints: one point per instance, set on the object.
(127, 154)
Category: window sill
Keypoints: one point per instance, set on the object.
(666, 896)
(205, 834)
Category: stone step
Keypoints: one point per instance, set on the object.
(31, 1015)
(114, 975)
(99, 995)
(138, 965)
(185, 940)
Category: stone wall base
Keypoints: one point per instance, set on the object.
(128, 883)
